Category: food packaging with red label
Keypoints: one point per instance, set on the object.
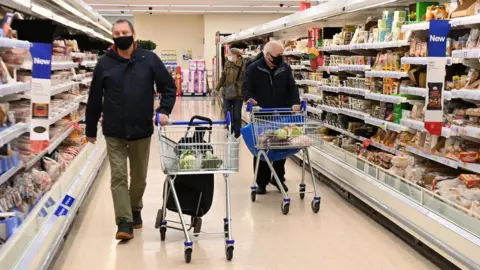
(470, 180)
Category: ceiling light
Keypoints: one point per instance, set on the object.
(116, 15)
(223, 11)
(109, 5)
(225, 6)
(112, 10)
(25, 3)
(189, 5)
(187, 11)
(148, 5)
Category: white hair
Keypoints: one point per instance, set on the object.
(270, 46)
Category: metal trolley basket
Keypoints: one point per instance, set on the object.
(282, 129)
(180, 156)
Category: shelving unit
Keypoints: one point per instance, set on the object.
(447, 227)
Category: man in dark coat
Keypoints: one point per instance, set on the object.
(269, 83)
(123, 90)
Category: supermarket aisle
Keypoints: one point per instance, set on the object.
(339, 237)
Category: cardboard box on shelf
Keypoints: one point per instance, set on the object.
(467, 8)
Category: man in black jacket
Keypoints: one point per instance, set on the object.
(123, 90)
(269, 83)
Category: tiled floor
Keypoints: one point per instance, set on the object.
(339, 237)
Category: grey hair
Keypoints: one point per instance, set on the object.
(235, 51)
(269, 47)
(130, 24)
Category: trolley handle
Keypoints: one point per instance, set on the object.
(250, 108)
(203, 121)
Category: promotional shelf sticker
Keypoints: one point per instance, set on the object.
(437, 45)
(61, 211)
(40, 95)
(68, 200)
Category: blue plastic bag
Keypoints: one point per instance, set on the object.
(273, 155)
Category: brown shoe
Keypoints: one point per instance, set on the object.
(125, 230)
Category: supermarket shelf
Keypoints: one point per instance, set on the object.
(328, 68)
(386, 74)
(465, 21)
(418, 211)
(385, 124)
(354, 91)
(13, 43)
(86, 81)
(314, 110)
(294, 53)
(307, 82)
(42, 232)
(329, 109)
(333, 89)
(60, 88)
(8, 174)
(299, 67)
(436, 158)
(366, 46)
(355, 114)
(420, 126)
(72, 107)
(310, 96)
(13, 132)
(469, 131)
(415, 91)
(59, 140)
(466, 94)
(13, 88)
(88, 63)
(59, 65)
(360, 68)
(416, 26)
(424, 60)
(386, 98)
(386, 148)
(345, 132)
(466, 54)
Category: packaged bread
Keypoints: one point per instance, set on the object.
(470, 180)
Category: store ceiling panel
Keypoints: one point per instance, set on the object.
(130, 7)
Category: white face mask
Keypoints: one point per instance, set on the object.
(230, 58)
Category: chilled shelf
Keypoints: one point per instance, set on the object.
(414, 91)
(386, 74)
(66, 111)
(13, 132)
(333, 89)
(386, 98)
(13, 88)
(13, 43)
(366, 46)
(64, 87)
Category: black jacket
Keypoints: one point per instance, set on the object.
(123, 90)
(270, 88)
(258, 57)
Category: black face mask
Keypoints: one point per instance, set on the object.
(277, 60)
(123, 43)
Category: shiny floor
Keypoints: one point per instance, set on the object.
(338, 237)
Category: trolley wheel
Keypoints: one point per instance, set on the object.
(188, 255)
(302, 193)
(253, 195)
(285, 208)
(229, 253)
(315, 206)
(225, 229)
(197, 226)
(163, 233)
(159, 219)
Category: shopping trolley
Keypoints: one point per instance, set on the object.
(179, 156)
(278, 133)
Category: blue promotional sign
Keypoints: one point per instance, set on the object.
(68, 200)
(41, 60)
(61, 211)
(437, 38)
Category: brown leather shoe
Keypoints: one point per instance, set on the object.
(137, 219)
(125, 230)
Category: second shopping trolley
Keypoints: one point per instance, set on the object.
(191, 154)
(279, 133)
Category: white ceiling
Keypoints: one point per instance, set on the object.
(130, 7)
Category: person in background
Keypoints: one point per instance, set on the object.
(123, 90)
(269, 83)
(233, 74)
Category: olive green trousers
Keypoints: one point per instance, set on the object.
(127, 199)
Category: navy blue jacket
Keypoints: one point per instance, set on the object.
(270, 88)
(123, 90)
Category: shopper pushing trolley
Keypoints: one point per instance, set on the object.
(191, 154)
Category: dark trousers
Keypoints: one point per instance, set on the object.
(234, 106)
(265, 175)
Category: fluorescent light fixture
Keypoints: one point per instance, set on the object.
(80, 14)
(25, 3)
(371, 6)
(189, 5)
(116, 15)
(109, 5)
(223, 11)
(227, 6)
(112, 10)
(187, 11)
(146, 10)
(148, 5)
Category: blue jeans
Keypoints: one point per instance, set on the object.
(234, 106)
